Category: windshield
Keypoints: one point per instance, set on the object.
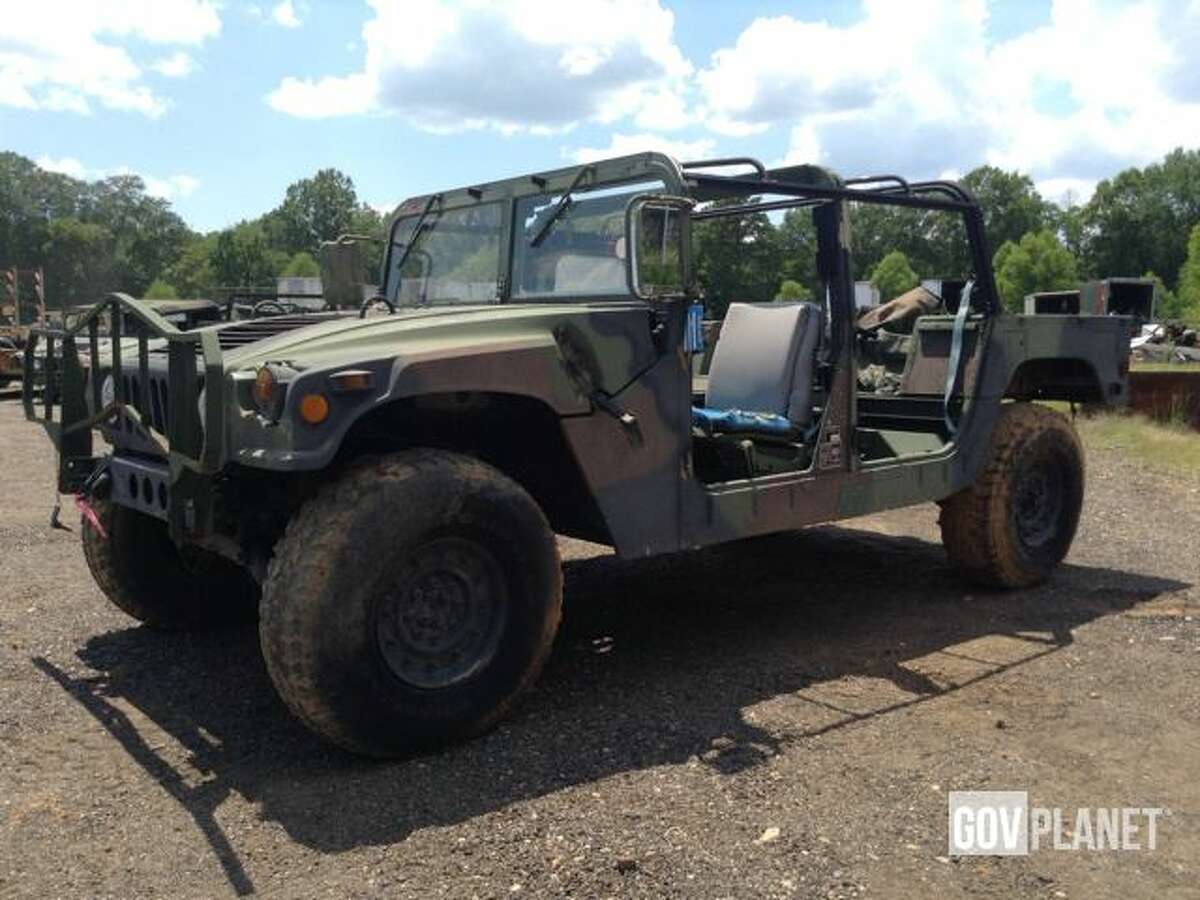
(455, 257)
(581, 252)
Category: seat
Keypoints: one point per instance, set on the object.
(575, 274)
(761, 379)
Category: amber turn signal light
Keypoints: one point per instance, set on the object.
(314, 408)
(350, 381)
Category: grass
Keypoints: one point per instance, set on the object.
(1164, 367)
(1164, 447)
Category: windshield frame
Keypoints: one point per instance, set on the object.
(604, 174)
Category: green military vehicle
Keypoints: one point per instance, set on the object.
(382, 486)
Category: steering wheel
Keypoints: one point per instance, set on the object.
(373, 301)
(272, 308)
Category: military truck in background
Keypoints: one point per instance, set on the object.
(383, 491)
(1134, 298)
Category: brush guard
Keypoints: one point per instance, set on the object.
(57, 398)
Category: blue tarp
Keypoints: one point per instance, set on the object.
(733, 421)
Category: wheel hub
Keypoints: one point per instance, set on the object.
(441, 617)
(1038, 504)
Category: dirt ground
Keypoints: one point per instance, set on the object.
(777, 719)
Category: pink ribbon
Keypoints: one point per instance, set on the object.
(89, 513)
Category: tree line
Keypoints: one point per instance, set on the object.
(93, 237)
(105, 235)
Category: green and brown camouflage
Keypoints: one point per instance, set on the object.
(583, 395)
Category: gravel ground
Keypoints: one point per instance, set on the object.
(777, 719)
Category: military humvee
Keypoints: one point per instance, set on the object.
(382, 486)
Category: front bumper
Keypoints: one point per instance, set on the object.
(141, 485)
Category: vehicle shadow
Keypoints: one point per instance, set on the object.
(656, 663)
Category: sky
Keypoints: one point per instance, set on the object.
(218, 106)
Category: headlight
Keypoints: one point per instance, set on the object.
(108, 393)
(270, 388)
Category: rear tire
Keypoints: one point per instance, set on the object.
(1015, 524)
(410, 602)
(145, 575)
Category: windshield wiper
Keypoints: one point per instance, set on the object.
(564, 204)
(416, 233)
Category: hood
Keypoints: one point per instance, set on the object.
(341, 339)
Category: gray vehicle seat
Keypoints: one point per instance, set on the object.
(575, 274)
(763, 365)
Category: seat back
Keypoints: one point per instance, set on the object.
(764, 358)
(576, 274)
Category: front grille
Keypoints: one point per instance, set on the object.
(156, 415)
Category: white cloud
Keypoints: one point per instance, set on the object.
(529, 65)
(1067, 191)
(626, 144)
(921, 87)
(177, 65)
(284, 14)
(68, 54)
(173, 187)
(170, 187)
(66, 165)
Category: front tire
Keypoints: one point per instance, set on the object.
(1015, 524)
(410, 602)
(145, 575)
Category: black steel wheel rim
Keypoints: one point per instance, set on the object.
(1040, 504)
(441, 616)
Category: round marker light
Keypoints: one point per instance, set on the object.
(314, 408)
(265, 385)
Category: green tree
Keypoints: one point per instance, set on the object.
(1189, 280)
(790, 291)
(30, 199)
(192, 272)
(301, 265)
(893, 276)
(161, 290)
(147, 235)
(933, 241)
(314, 209)
(1038, 262)
(737, 259)
(1140, 220)
(796, 239)
(1010, 203)
(79, 258)
(366, 221)
(1167, 301)
(1072, 230)
(242, 257)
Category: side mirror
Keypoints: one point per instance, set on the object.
(344, 267)
(658, 233)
